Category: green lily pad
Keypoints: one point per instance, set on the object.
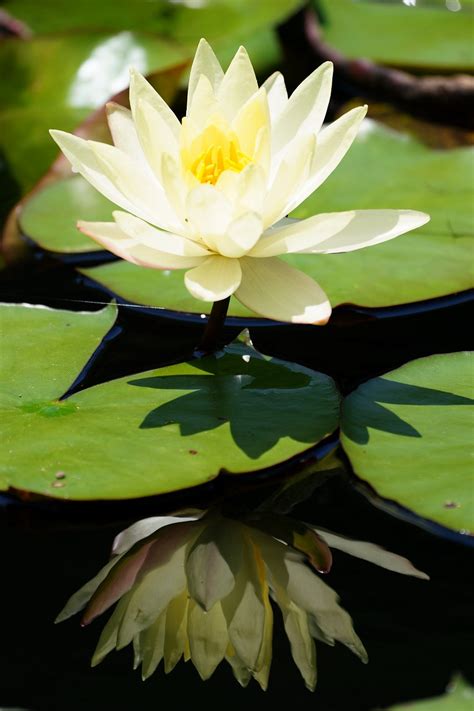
(180, 21)
(49, 217)
(409, 434)
(401, 34)
(148, 433)
(44, 350)
(459, 697)
(56, 81)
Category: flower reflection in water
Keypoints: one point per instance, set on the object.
(200, 589)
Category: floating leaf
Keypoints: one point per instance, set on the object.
(152, 432)
(50, 215)
(56, 81)
(459, 696)
(409, 434)
(401, 34)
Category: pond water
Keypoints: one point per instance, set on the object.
(415, 631)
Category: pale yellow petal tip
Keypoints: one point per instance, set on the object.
(328, 66)
(56, 134)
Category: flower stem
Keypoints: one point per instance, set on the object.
(210, 339)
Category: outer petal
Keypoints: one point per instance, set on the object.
(145, 234)
(371, 552)
(111, 237)
(84, 161)
(123, 131)
(276, 93)
(154, 134)
(136, 184)
(238, 84)
(333, 144)
(141, 89)
(339, 232)
(306, 108)
(292, 172)
(205, 63)
(275, 290)
(214, 279)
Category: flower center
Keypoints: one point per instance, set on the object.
(213, 152)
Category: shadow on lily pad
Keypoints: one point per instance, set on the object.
(262, 402)
(362, 412)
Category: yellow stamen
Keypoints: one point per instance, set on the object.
(213, 152)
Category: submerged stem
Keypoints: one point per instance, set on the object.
(210, 339)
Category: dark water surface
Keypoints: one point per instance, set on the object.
(416, 632)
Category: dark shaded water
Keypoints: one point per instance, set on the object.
(416, 632)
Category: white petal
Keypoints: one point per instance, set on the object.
(141, 89)
(372, 553)
(111, 237)
(208, 573)
(176, 631)
(306, 108)
(152, 594)
(241, 235)
(246, 189)
(145, 234)
(207, 634)
(205, 63)
(84, 161)
(215, 279)
(308, 591)
(263, 152)
(151, 645)
(339, 232)
(292, 172)
(137, 185)
(154, 134)
(238, 84)
(123, 131)
(208, 212)
(253, 116)
(276, 93)
(332, 145)
(275, 290)
(203, 104)
(175, 187)
(127, 538)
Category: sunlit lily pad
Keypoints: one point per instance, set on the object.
(50, 216)
(401, 34)
(409, 434)
(152, 432)
(183, 21)
(56, 81)
(458, 697)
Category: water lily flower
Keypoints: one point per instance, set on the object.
(210, 194)
(201, 588)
